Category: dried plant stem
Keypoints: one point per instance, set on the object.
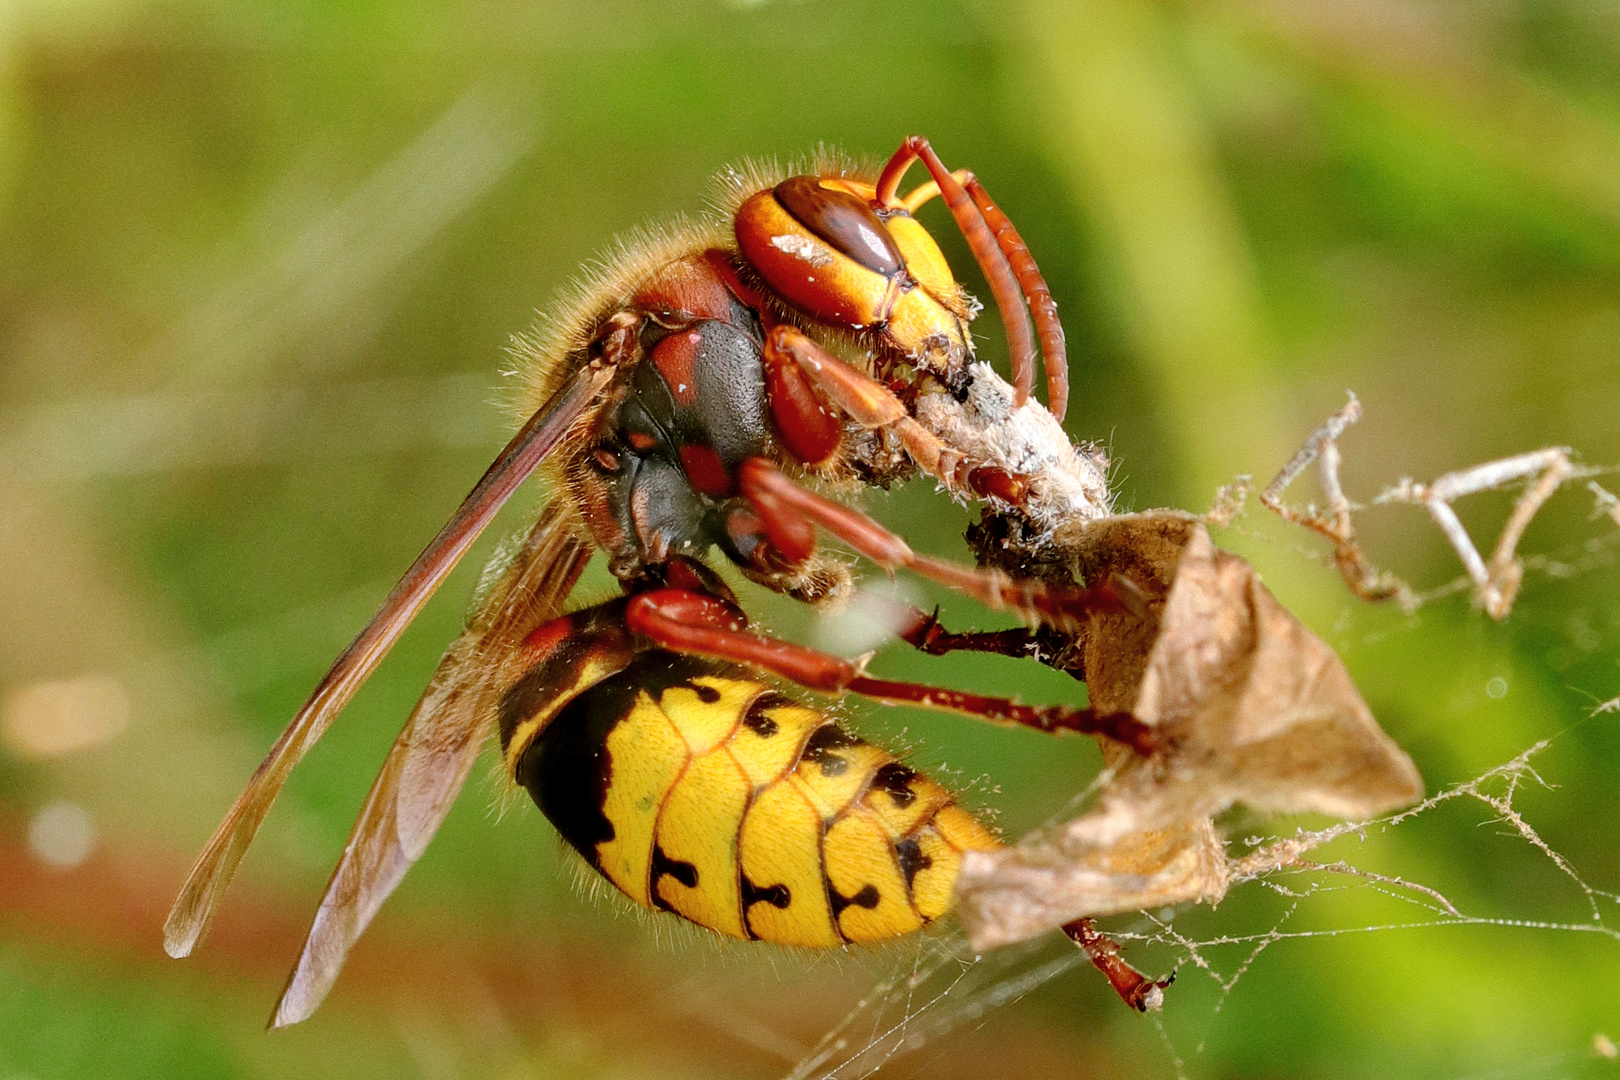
(1495, 580)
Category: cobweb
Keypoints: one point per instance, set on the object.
(943, 987)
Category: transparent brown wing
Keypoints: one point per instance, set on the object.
(430, 761)
(205, 886)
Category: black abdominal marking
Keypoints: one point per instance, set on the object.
(911, 858)
(895, 779)
(867, 898)
(819, 750)
(683, 872)
(756, 721)
(777, 896)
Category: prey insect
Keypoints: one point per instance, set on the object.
(681, 403)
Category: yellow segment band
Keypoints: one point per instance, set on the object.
(932, 886)
(707, 712)
(862, 871)
(835, 777)
(768, 742)
(648, 755)
(697, 836)
(780, 848)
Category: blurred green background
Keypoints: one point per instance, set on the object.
(258, 264)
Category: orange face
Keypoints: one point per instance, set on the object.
(821, 244)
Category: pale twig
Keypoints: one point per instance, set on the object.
(1495, 580)
(1496, 583)
(1322, 447)
(1606, 502)
(1229, 501)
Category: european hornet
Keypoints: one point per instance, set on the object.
(678, 403)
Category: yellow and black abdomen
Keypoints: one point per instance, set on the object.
(696, 789)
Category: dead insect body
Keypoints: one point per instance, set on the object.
(1245, 704)
(677, 404)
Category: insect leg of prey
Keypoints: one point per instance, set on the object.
(205, 886)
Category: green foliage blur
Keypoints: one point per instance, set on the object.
(259, 264)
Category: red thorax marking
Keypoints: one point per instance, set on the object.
(544, 639)
(705, 470)
(673, 357)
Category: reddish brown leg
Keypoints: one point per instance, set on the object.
(924, 632)
(781, 504)
(927, 635)
(1122, 728)
(694, 622)
(1135, 989)
(700, 624)
(808, 429)
(1007, 264)
(1054, 351)
(997, 270)
(872, 405)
